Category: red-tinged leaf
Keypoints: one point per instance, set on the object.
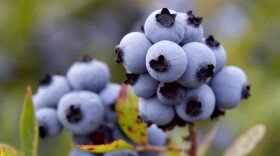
(246, 142)
(208, 140)
(6, 150)
(127, 111)
(113, 146)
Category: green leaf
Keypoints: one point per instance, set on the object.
(6, 150)
(127, 111)
(171, 143)
(28, 127)
(246, 142)
(208, 140)
(113, 146)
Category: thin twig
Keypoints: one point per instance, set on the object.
(193, 135)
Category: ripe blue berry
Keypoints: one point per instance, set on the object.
(218, 50)
(166, 61)
(48, 122)
(201, 65)
(51, 89)
(198, 105)
(81, 112)
(109, 97)
(164, 25)
(143, 85)
(88, 74)
(193, 29)
(79, 152)
(119, 135)
(152, 110)
(81, 139)
(170, 93)
(230, 87)
(131, 52)
(121, 153)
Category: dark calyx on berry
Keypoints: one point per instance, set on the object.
(131, 79)
(177, 121)
(119, 55)
(86, 58)
(193, 107)
(246, 91)
(170, 90)
(112, 107)
(74, 114)
(218, 112)
(160, 64)
(192, 20)
(43, 132)
(210, 41)
(46, 80)
(205, 71)
(165, 18)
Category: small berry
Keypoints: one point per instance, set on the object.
(164, 25)
(230, 87)
(51, 89)
(198, 105)
(166, 61)
(49, 125)
(170, 93)
(88, 74)
(81, 112)
(152, 110)
(201, 65)
(131, 52)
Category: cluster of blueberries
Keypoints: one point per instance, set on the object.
(178, 74)
(84, 103)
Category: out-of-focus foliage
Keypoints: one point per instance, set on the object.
(46, 36)
(6, 150)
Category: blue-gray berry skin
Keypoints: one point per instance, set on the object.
(131, 52)
(88, 74)
(218, 50)
(193, 29)
(201, 65)
(164, 24)
(81, 112)
(198, 105)
(152, 110)
(119, 135)
(81, 139)
(109, 97)
(166, 61)
(51, 89)
(143, 85)
(79, 152)
(230, 87)
(122, 153)
(170, 93)
(49, 125)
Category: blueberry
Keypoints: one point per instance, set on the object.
(166, 61)
(164, 25)
(152, 110)
(49, 125)
(230, 87)
(118, 134)
(193, 29)
(143, 85)
(81, 112)
(201, 65)
(81, 139)
(219, 51)
(131, 52)
(198, 105)
(79, 152)
(109, 97)
(51, 89)
(170, 93)
(121, 153)
(88, 74)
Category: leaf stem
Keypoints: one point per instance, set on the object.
(193, 137)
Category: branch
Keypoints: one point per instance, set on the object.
(193, 137)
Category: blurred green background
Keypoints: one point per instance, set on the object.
(46, 36)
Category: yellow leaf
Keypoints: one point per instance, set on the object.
(127, 111)
(171, 143)
(246, 142)
(6, 150)
(113, 146)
